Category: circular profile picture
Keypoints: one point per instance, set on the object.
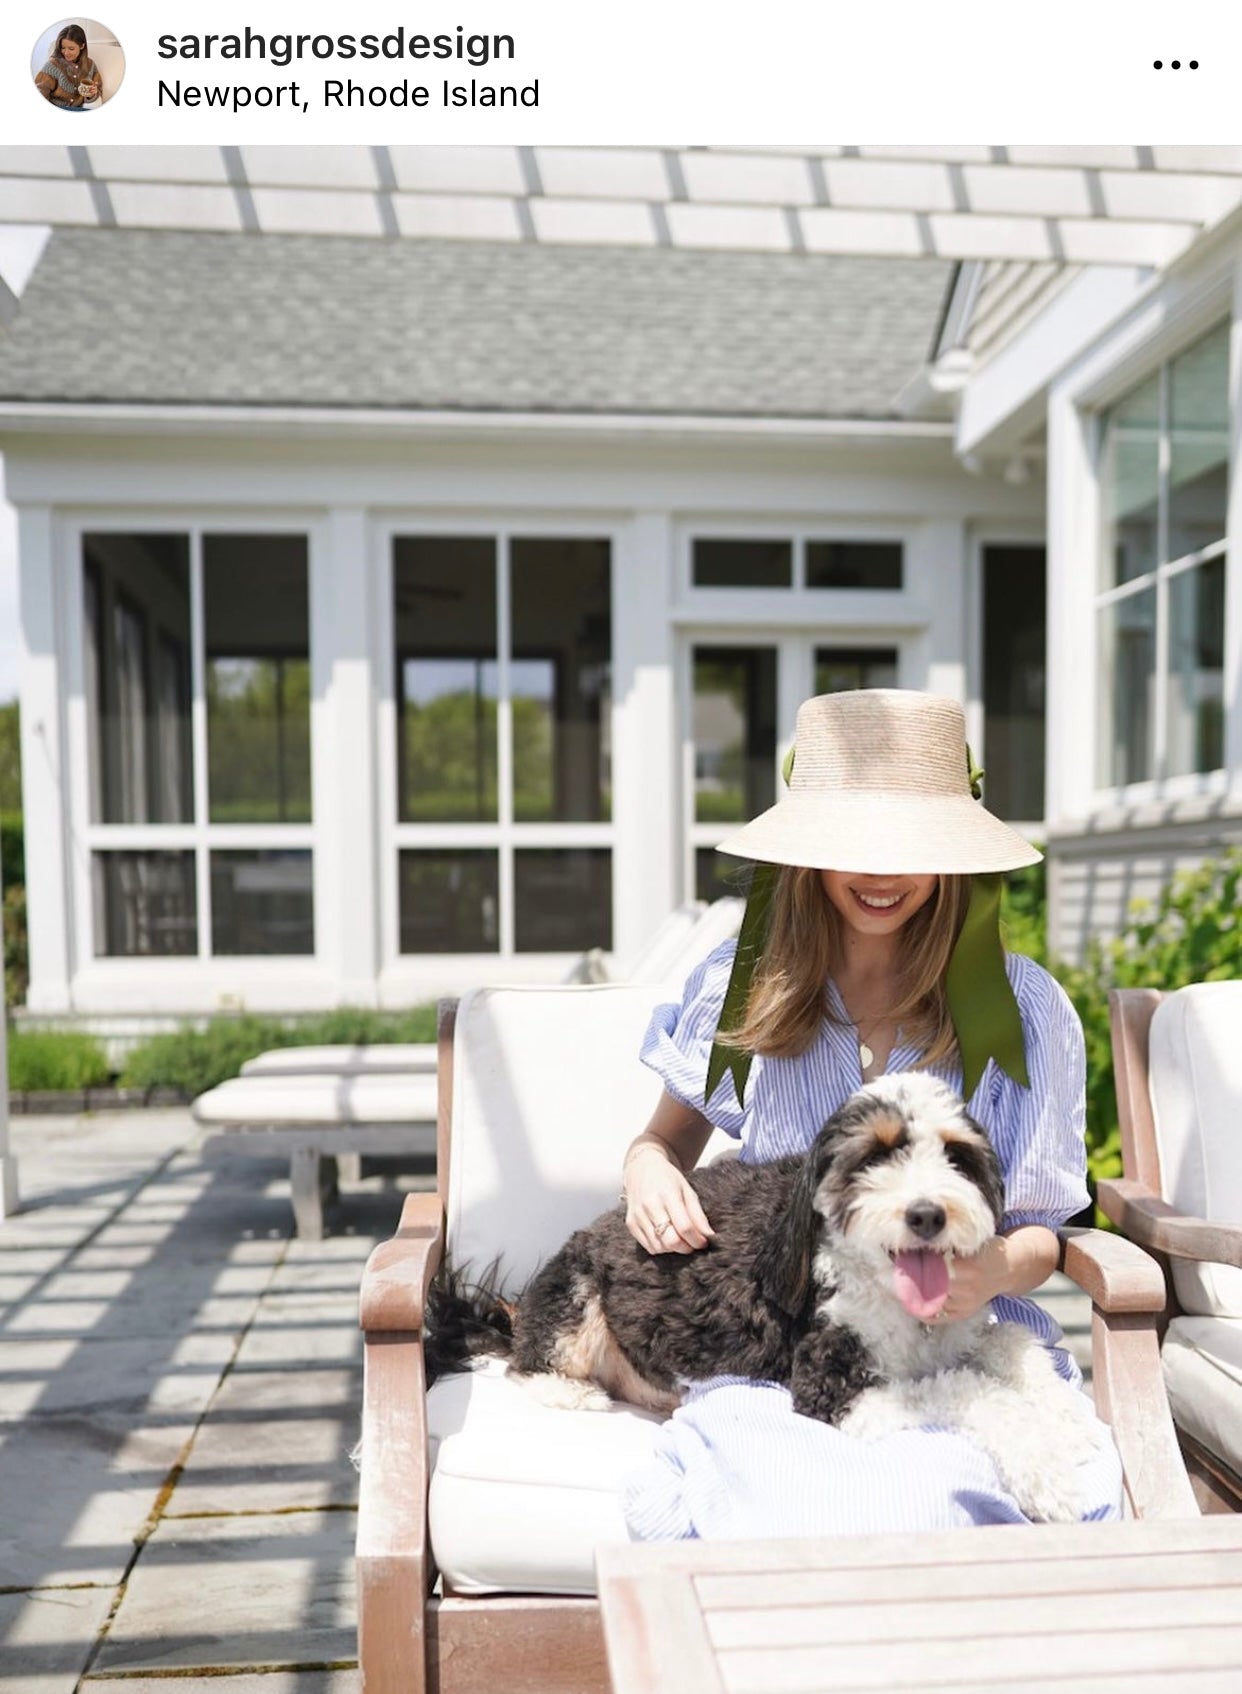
(77, 65)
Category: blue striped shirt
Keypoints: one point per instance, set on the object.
(1038, 1132)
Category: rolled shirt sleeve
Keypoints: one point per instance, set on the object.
(679, 1039)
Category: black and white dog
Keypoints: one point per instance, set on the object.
(827, 1273)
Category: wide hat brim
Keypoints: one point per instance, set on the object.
(882, 834)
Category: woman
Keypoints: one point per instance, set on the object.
(70, 78)
(882, 953)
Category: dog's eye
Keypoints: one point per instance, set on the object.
(968, 1160)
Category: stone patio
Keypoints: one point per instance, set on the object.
(180, 1383)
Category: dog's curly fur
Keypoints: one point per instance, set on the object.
(796, 1287)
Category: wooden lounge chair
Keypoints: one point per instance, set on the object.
(479, 1509)
(1178, 1061)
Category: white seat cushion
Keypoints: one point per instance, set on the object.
(522, 1493)
(1202, 1360)
(1196, 1097)
(290, 1102)
(372, 1059)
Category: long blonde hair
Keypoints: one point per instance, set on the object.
(805, 946)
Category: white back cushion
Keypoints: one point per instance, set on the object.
(548, 1092)
(1195, 1067)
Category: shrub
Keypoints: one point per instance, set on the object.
(1190, 934)
(16, 963)
(12, 849)
(196, 1059)
(55, 1059)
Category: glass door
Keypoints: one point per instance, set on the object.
(739, 702)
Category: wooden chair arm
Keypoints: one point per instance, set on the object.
(1118, 1276)
(399, 1271)
(394, 1563)
(1154, 1224)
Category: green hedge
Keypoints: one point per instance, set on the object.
(193, 1060)
(55, 1059)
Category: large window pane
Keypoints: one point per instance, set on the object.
(841, 668)
(734, 732)
(449, 901)
(137, 618)
(1130, 484)
(1199, 444)
(1196, 695)
(257, 633)
(1128, 672)
(853, 564)
(559, 680)
(562, 899)
(144, 904)
(743, 564)
(262, 901)
(444, 612)
(1014, 668)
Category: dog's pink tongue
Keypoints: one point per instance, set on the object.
(921, 1281)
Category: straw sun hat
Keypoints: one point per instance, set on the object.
(881, 781)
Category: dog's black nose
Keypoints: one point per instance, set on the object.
(925, 1218)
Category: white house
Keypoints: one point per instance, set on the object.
(423, 550)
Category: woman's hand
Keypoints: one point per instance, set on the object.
(663, 1213)
(1015, 1263)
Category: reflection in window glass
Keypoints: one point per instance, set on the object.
(734, 732)
(144, 904)
(1130, 484)
(562, 899)
(716, 875)
(853, 564)
(262, 901)
(1196, 694)
(1128, 673)
(444, 613)
(1014, 659)
(137, 606)
(449, 900)
(559, 680)
(841, 668)
(257, 635)
(743, 564)
(1199, 444)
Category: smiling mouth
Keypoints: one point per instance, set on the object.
(877, 902)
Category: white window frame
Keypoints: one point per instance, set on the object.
(505, 836)
(1158, 579)
(795, 680)
(1162, 324)
(200, 835)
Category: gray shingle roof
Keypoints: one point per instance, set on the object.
(178, 317)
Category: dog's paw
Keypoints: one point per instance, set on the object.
(566, 1393)
(878, 1412)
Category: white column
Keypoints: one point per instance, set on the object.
(936, 572)
(1233, 558)
(343, 724)
(1073, 567)
(8, 1159)
(45, 783)
(644, 750)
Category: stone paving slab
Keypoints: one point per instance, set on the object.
(48, 1638)
(274, 1440)
(77, 1493)
(234, 1592)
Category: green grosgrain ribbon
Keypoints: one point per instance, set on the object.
(981, 1000)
